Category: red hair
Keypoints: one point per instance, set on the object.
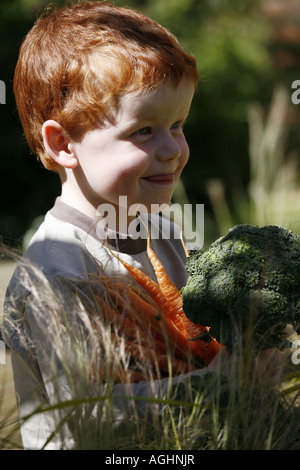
(77, 61)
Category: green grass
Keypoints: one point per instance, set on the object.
(271, 195)
(210, 413)
(214, 412)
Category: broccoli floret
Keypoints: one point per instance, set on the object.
(248, 280)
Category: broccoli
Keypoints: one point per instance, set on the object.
(246, 281)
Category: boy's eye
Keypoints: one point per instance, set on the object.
(144, 131)
(148, 130)
(176, 125)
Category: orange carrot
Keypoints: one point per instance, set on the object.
(165, 325)
(148, 284)
(171, 293)
(169, 300)
(127, 328)
(168, 288)
(155, 359)
(120, 375)
(147, 317)
(180, 332)
(155, 291)
(176, 312)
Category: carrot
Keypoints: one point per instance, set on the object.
(145, 296)
(165, 325)
(148, 356)
(129, 376)
(169, 300)
(120, 375)
(159, 326)
(175, 310)
(155, 290)
(148, 284)
(171, 293)
(168, 288)
(139, 345)
(128, 328)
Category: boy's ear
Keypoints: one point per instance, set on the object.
(57, 144)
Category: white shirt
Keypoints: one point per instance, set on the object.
(51, 293)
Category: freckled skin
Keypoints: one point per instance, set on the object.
(141, 156)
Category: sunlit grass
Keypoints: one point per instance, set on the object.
(272, 195)
(213, 412)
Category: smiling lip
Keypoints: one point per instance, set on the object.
(161, 179)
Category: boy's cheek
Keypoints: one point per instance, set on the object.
(185, 155)
(185, 149)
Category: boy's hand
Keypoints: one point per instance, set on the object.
(221, 362)
(267, 366)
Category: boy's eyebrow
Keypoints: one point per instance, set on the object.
(151, 115)
(138, 120)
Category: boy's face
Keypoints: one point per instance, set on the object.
(142, 155)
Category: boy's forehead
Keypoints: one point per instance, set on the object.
(165, 96)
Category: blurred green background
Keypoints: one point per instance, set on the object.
(243, 130)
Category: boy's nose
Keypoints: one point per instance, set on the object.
(168, 149)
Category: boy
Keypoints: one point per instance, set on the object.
(102, 93)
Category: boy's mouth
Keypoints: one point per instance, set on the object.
(162, 179)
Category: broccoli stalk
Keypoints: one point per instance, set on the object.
(246, 286)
